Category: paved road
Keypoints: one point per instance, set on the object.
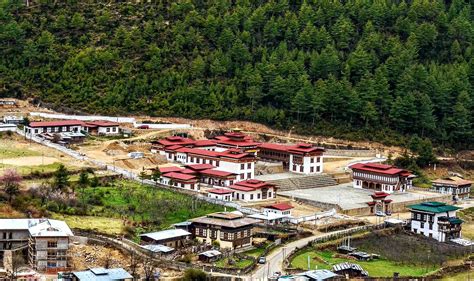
(275, 258)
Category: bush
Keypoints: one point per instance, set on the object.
(192, 274)
(53, 207)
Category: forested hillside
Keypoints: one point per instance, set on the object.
(358, 70)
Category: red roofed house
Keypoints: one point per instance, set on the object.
(223, 194)
(282, 209)
(302, 158)
(253, 190)
(171, 141)
(36, 128)
(180, 180)
(381, 177)
(101, 128)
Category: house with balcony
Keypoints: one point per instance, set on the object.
(458, 187)
(436, 220)
(301, 158)
(44, 243)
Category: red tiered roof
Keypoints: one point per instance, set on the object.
(175, 140)
(200, 143)
(250, 185)
(164, 170)
(380, 168)
(56, 123)
(235, 154)
(179, 176)
(236, 139)
(280, 206)
(200, 166)
(379, 194)
(216, 173)
(220, 191)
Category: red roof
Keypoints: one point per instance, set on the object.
(204, 143)
(250, 185)
(236, 154)
(179, 176)
(280, 206)
(188, 171)
(102, 124)
(219, 191)
(379, 194)
(173, 140)
(217, 173)
(197, 151)
(169, 169)
(200, 166)
(236, 139)
(173, 147)
(56, 123)
(380, 168)
(299, 148)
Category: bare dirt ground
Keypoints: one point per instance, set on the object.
(90, 256)
(30, 161)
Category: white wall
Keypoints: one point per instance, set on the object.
(111, 130)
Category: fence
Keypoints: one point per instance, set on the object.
(350, 152)
(84, 117)
(316, 216)
(329, 237)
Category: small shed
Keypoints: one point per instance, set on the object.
(210, 256)
(161, 249)
(362, 256)
(350, 270)
(174, 238)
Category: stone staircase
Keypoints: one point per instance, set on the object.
(304, 182)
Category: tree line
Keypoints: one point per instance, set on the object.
(376, 70)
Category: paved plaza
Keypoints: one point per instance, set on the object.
(349, 198)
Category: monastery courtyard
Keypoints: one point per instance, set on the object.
(349, 198)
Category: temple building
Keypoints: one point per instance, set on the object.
(302, 158)
(380, 177)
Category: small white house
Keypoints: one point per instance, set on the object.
(435, 220)
(7, 127)
(283, 209)
(220, 194)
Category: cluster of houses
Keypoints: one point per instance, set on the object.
(225, 165)
(70, 131)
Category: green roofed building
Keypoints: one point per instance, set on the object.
(436, 220)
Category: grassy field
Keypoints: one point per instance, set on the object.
(100, 224)
(376, 268)
(9, 151)
(242, 263)
(468, 226)
(157, 207)
(257, 252)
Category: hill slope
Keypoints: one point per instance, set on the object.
(356, 70)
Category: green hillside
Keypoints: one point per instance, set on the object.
(375, 70)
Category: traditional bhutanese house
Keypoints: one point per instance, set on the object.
(160, 145)
(205, 144)
(236, 140)
(349, 270)
(303, 158)
(458, 187)
(220, 194)
(35, 128)
(174, 238)
(209, 256)
(379, 203)
(240, 163)
(435, 220)
(105, 128)
(180, 180)
(231, 230)
(381, 177)
(253, 190)
(283, 209)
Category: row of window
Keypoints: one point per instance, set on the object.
(375, 177)
(242, 166)
(301, 168)
(241, 196)
(456, 190)
(422, 217)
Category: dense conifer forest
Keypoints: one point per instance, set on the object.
(377, 70)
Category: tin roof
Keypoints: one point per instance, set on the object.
(166, 234)
(56, 123)
(433, 207)
(102, 274)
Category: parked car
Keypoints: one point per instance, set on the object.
(380, 214)
(143, 127)
(262, 260)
